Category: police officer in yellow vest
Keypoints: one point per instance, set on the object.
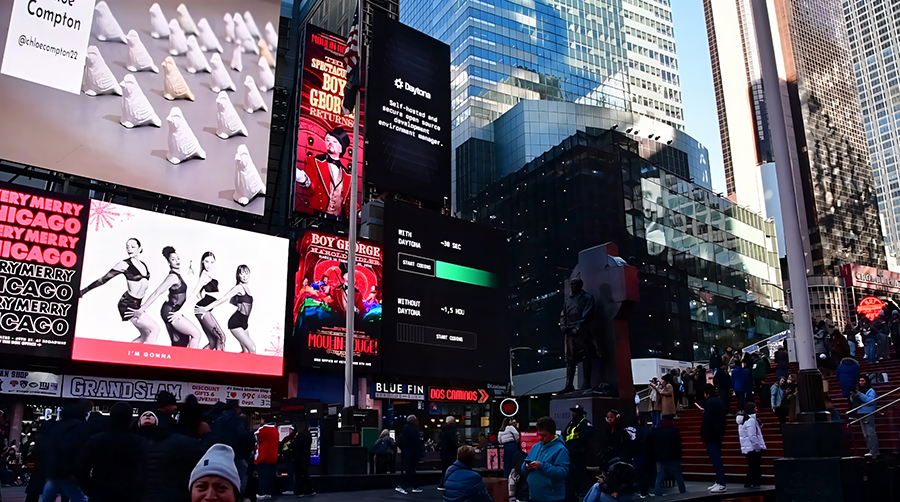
(578, 438)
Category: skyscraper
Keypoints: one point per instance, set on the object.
(874, 37)
(609, 54)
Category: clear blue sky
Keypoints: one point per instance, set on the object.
(700, 116)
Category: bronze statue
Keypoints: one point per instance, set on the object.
(575, 323)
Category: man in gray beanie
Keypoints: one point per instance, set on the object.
(215, 478)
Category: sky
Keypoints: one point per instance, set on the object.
(699, 98)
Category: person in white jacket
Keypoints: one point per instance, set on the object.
(509, 438)
(752, 444)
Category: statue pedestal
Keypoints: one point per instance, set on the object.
(597, 406)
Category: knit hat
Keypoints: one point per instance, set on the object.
(218, 461)
(165, 398)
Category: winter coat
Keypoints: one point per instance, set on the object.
(819, 342)
(667, 392)
(777, 396)
(760, 368)
(169, 458)
(411, 445)
(712, 430)
(64, 444)
(230, 429)
(508, 435)
(302, 445)
(741, 378)
(868, 397)
(549, 482)
(462, 484)
(722, 381)
(655, 405)
(750, 434)
(782, 360)
(449, 442)
(110, 467)
(664, 444)
(385, 445)
(848, 375)
(266, 445)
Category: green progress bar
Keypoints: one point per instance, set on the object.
(468, 275)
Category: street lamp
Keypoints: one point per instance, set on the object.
(512, 355)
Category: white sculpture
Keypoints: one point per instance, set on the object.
(98, 78)
(220, 79)
(237, 62)
(185, 20)
(159, 27)
(183, 145)
(247, 182)
(243, 36)
(138, 57)
(266, 76)
(207, 37)
(253, 100)
(229, 28)
(271, 36)
(136, 109)
(228, 123)
(251, 24)
(177, 41)
(105, 27)
(265, 54)
(196, 61)
(175, 86)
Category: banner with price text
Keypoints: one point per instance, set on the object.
(136, 390)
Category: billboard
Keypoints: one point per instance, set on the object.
(130, 389)
(445, 296)
(33, 383)
(322, 177)
(321, 302)
(101, 109)
(409, 120)
(42, 238)
(159, 290)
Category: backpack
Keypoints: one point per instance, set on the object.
(878, 377)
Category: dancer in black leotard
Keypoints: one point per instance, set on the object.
(137, 278)
(181, 331)
(240, 297)
(206, 285)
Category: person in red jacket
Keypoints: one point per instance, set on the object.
(265, 457)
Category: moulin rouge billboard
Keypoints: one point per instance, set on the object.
(321, 302)
(42, 238)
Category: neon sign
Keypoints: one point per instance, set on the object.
(870, 307)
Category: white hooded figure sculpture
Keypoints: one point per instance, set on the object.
(265, 54)
(98, 78)
(185, 20)
(251, 25)
(196, 61)
(266, 76)
(177, 41)
(136, 109)
(243, 36)
(237, 61)
(219, 78)
(228, 123)
(175, 85)
(207, 37)
(159, 27)
(247, 181)
(229, 28)
(183, 145)
(105, 26)
(138, 57)
(253, 100)
(271, 36)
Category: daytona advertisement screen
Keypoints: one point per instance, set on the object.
(321, 302)
(445, 296)
(42, 239)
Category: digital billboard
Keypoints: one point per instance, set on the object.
(324, 156)
(89, 89)
(159, 290)
(409, 112)
(42, 238)
(445, 296)
(321, 302)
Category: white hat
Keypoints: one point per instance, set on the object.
(218, 461)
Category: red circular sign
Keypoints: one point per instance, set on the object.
(870, 307)
(509, 407)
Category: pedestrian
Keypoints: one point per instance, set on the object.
(461, 483)
(752, 444)
(384, 449)
(723, 385)
(839, 347)
(517, 488)
(743, 385)
(848, 376)
(667, 396)
(712, 432)
(677, 392)
(449, 443)
(777, 399)
(411, 451)
(866, 396)
(699, 384)
(547, 465)
(640, 456)
(829, 407)
(266, 457)
(190, 418)
(215, 477)
(111, 462)
(882, 338)
(782, 363)
(894, 328)
(690, 390)
(166, 464)
(759, 368)
(231, 429)
(655, 402)
(727, 357)
(65, 444)
(870, 336)
(664, 445)
(715, 358)
(166, 408)
(577, 438)
(302, 449)
(509, 438)
(820, 341)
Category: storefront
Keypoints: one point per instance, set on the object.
(867, 282)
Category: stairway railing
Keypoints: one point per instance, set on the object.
(872, 401)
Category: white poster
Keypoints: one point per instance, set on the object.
(29, 382)
(47, 41)
(127, 389)
(160, 290)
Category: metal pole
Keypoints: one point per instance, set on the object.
(351, 245)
